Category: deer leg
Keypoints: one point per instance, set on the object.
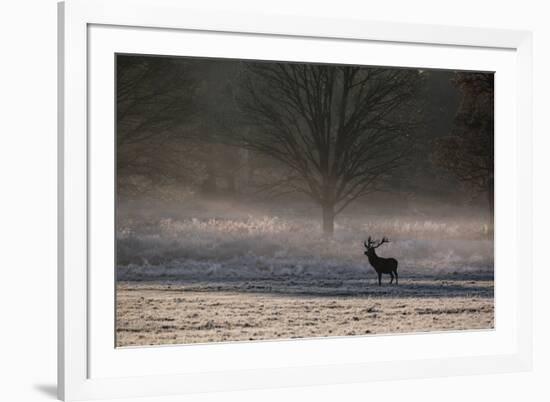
(379, 279)
(396, 278)
(391, 280)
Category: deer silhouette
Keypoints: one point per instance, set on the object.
(381, 265)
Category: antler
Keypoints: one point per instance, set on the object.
(384, 240)
(368, 243)
(375, 243)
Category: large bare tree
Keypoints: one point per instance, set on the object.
(338, 130)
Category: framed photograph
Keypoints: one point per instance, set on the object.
(255, 201)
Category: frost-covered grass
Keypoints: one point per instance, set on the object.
(160, 313)
(233, 245)
(215, 272)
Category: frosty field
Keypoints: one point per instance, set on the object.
(152, 314)
(262, 275)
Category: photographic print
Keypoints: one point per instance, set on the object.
(272, 200)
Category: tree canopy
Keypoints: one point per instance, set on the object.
(338, 130)
(468, 151)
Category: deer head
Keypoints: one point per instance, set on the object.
(371, 245)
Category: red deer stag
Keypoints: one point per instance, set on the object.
(381, 265)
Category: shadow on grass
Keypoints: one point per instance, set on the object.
(472, 285)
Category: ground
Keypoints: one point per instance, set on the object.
(152, 313)
(214, 273)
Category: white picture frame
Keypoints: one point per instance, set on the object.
(91, 32)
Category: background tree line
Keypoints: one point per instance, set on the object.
(328, 133)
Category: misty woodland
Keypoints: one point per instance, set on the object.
(273, 200)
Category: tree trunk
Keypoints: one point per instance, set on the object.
(491, 200)
(328, 220)
(210, 186)
(231, 183)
